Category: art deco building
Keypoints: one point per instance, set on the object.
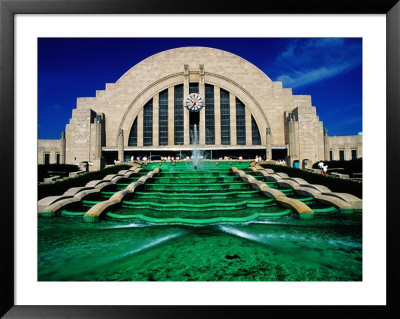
(157, 105)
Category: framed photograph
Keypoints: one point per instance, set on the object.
(362, 39)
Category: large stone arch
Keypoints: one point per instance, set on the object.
(177, 78)
(142, 98)
(222, 69)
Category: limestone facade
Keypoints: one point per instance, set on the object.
(343, 147)
(51, 151)
(117, 119)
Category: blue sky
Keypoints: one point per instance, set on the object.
(328, 69)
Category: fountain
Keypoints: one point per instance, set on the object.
(211, 221)
(196, 153)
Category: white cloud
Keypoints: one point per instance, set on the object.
(288, 53)
(302, 78)
(312, 60)
(325, 43)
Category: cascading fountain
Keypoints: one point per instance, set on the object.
(208, 219)
(196, 152)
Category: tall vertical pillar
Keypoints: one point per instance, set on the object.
(217, 114)
(202, 117)
(268, 155)
(171, 115)
(156, 122)
(186, 129)
(98, 161)
(232, 106)
(293, 144)
(62, 148)
(121, 145)
(326, 146)
(97, 147)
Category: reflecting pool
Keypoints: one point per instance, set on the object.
(211, 246)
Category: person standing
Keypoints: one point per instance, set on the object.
(321, 165)
(325, 169)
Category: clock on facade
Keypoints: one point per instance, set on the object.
(194, 102)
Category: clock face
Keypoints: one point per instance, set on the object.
(194, 102)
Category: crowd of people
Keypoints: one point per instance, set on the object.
(170, 158)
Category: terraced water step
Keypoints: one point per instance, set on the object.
(165, 215)
(318, 208)
(303, 199)
(200, 205)
(90, 203)
(196, 180)
(187, 187)
(197, 195)
(201, 221)
(272, 184)
(185, 174)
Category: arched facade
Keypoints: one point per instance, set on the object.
(144, 111)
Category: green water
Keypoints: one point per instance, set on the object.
(286, 249)
(199, 234)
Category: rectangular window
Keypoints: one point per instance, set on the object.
(57, 158)
(240, 123)
(194, 87)
(148, 124)
(178, 114)
(163, 118)
(255, 132)
(132, 141)
(353, 154)
(46, 158)
(330, 155)
(341, 155)
(225, 118)
(210, 119)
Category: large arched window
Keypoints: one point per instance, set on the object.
(225, 118)
(209, 109)
(240, 123)
(255, 133)
(162, 123)
(148, 123)
(193, 87)
(178, 114)
(163, 118)
(132, 141)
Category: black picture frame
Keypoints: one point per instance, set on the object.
(8, 10)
